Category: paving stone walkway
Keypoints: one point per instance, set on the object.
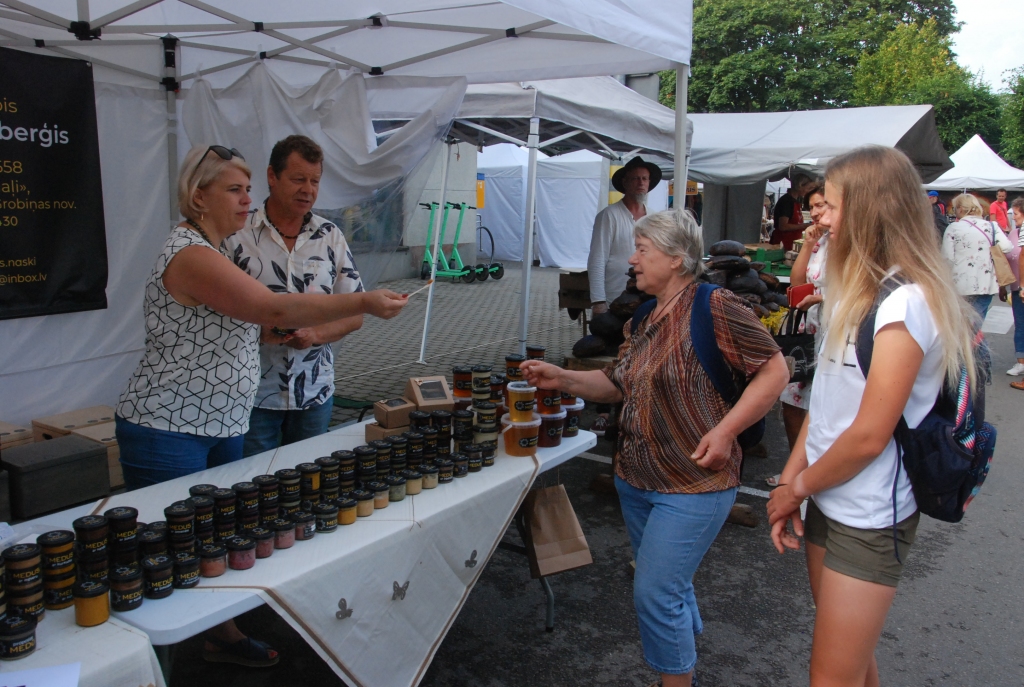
(471, 324)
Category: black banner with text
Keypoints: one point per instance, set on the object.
(53, 250)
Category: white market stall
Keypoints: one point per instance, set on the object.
(976, 166)
(734, 154)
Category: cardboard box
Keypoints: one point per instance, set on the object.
(105, 434)
(13, 435)
(393, 412)
(374, 431)
(50, 475)
(430, 393)
(46, 428)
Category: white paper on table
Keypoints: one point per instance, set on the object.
(53, 676)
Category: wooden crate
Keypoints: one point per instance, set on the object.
(105, 434)
(13, 435)
(54, 426)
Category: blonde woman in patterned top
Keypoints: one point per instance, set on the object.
(186, 407)
(678, 460)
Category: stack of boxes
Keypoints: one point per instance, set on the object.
(425, 394)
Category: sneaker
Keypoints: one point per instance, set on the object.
(1017, 370)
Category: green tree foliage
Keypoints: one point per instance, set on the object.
(1013, 120)
(771, 55)
(914, 65)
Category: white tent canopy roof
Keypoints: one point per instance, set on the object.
(502, 40)
(748, 147)
(591, 113)
(976, 166)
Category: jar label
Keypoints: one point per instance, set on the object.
(98, 545)
(513, 373)
(125, 536)
(20, 647)
(55, 597)
(59, 560)
(290, 489)
(463, 384)
(482, 383)
(327, 523)
(555, 431)
(180, 527)
(269, 495)
(161, 585)
(26, 576)
(33, 609)
(574, 421)
(187, 579)
(121, 599)
(527, 442)
(226, 511)
(550, 401)
(204, 519)
(524, 406)
(308, 529)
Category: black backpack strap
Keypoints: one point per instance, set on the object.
(642, 311)
(705, 345)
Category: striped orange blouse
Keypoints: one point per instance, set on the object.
(669, 402)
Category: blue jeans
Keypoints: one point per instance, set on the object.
(981, 303)
(670, 534)
(150, 456)
(272, 428)
(1018, 322)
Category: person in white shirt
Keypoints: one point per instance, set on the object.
(882, 250)
(966, 244)
(288, 249)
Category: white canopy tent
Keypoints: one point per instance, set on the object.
(976, 166)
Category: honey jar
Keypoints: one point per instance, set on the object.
(381, 493)
(224, 505)
(326, 515)
(310, 478)
(202, 490)
(23, 563)
(413, 482)
(288, 486)
(247, 499)
(123, 523)
(549, 401)
(265, 539)
(91, 532)
(572, 418)
(364, 502)
(482, 378)
(158, 576)
(330, 468)
(429, 473)
(17, 637)
(445, 470)
(512, 371)
(419, 419)
(213, 560)
(57, 552)
(92, 604)
(284, 533)
(522, 400)
(463, 377)
(181, 521)
(125, 588)
(551, 427)
(241, 553)
(535, 352)
(57, 591)
(347, 510)
(520, 437)
(186, 570)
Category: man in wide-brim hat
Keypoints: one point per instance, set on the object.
(611, 244)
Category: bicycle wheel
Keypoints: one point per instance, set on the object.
(497, 270)
(481, 272)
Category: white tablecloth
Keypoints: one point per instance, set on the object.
(112, 654)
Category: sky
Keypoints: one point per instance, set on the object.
(992, 38)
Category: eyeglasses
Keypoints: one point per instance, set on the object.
(222, 152)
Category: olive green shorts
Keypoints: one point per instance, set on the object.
(864, 554)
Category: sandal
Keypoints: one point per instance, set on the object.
(1018, 385)
(600, 426)
(245, 652)
(773, 481)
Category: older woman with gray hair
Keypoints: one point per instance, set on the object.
(678, 459)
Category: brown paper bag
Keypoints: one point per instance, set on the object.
(555, 542)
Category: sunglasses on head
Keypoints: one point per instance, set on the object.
(222, 152)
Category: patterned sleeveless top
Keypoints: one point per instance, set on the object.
(201, 369)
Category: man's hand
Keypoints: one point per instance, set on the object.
(384, 304)
(598, 308)
(541, 375)
(302, 339)
(268, 336)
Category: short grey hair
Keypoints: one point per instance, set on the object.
(677, 234)
(199, 169)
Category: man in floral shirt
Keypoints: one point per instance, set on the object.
(291, 250)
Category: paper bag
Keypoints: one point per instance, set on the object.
(555, 542)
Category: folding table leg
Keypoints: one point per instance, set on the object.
(164, 654)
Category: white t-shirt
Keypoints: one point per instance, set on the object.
(865, 501)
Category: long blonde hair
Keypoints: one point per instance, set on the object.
(886, 222)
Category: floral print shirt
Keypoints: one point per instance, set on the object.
(966, 245)
(320, 262)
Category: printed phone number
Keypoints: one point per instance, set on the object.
(10, 167)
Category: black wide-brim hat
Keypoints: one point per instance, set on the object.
(620, 174)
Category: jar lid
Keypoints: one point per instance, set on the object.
(441, 414)
(55, 538)
(463, 414)
(152, 536)
(243, 487)
(535, 347)
(444, 462)
(397, 440)
(287, 474)
(325, 509)
(394, 480)
(515, 358)
(15, 625)
(379, 444)
(497, 379)
(360, 495)
(202, 489)
(240, 544)
(472, 448)
(345, 503)
(282, 524)
(264, 480)
(86, 589)
(156, 563)
(125, 573)
(560, 415)
(260, 533)
(157, 526)
(426, 469)
(377, 486)
(84, 557)
(184, 559)
(121, 513)
(535, 422)
(201, 502)
(580, 403)
(482, 368)
(428, 431)
(223, 495)
(343, 455)
(327, 462)
(50, 580)
(413, 436)
(25, 593)
(365, 450)
(301, 516)
(307, 467)
(458, 457)
(461, 369)
(89, 522)
(212, 551)
(409, 473)
(179, 509)
(485, 405)
(21, 552)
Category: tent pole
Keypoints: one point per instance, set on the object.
(437, 247)
(169, 46)
(533, 142)
(682, 160)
